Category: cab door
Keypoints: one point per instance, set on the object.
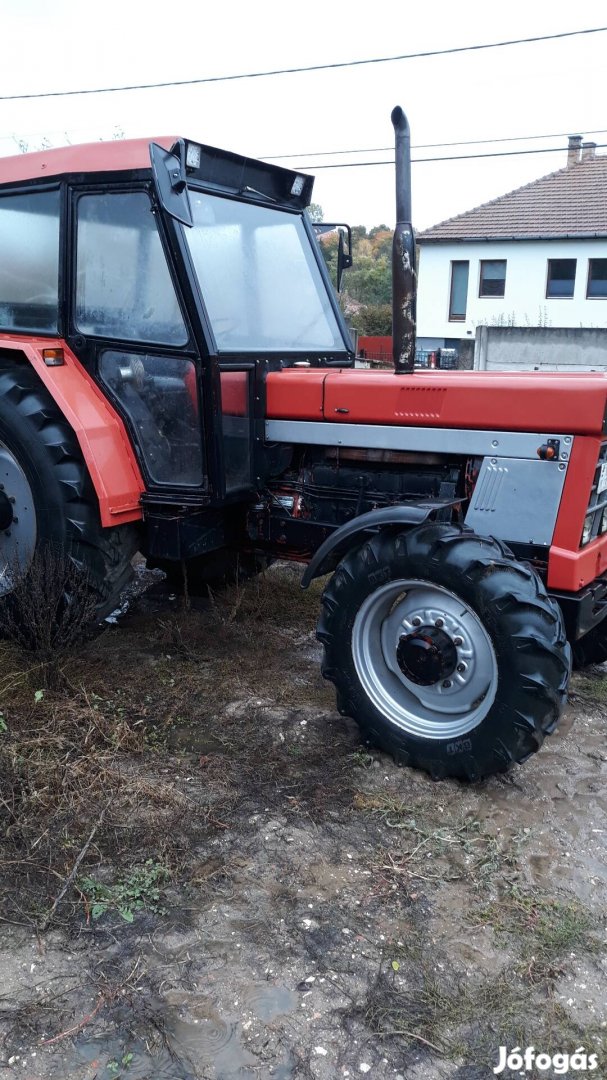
(128, 326)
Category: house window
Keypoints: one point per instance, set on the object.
(561, 277)
(493, 277)
(597, 279)
(458, 295)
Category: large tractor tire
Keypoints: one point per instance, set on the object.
(446, 651)
(592, 648)
(47, 498)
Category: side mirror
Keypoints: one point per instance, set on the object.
(344, 245)
(169, 168)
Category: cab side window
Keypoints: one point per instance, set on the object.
(29, 262)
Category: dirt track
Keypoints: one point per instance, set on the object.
(319, 912)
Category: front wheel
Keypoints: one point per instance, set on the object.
(446, 651)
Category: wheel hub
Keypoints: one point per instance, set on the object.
(426, 656)
(18, 526)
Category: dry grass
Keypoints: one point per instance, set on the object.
(542, 928)
(589, 687)
(430, 845)
(49, 611)
(62, 759)
(421, 1002)
(101, 738)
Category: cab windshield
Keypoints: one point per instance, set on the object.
(259, 278)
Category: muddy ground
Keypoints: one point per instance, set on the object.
(204, 874)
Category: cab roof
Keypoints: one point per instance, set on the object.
(218, 168)
(116, 156)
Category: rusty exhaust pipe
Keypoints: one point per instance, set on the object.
(404, 271)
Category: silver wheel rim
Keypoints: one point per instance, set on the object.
(18, 537)
(448, 708)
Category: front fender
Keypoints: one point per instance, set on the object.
(100, 431)
(339, 541)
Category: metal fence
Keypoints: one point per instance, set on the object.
(378, 354)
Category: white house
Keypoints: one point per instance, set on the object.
(534, 257)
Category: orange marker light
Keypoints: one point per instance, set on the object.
(53, 357)
(547, 452)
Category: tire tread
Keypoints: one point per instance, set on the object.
(491, 572)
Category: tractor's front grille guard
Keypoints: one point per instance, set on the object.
(595, 522)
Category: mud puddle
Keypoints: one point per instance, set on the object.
(184, 1048)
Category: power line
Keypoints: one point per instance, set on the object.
(359, 150)
(430, 146)
(311, 67)
(450, 157)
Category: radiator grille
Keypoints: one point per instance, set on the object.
(595, 522)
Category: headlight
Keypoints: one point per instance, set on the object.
(587, 530)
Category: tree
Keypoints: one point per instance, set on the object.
(367, 288)
(315, 213)
(373, 319)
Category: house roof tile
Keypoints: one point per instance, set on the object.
(571, 202)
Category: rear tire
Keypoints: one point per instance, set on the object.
(446, 651)
(48, 490)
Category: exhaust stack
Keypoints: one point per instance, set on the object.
(404, 272)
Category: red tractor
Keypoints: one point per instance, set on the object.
(176, 377)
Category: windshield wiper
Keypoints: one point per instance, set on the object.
(254, 191)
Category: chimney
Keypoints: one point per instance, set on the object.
(588, 151)
(573, 150)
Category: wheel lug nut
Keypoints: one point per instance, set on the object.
(461, 667)
(416, 621)
(447, 684)
(458, 641)
(439, 623)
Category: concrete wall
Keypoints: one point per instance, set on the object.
(524, 302)
(517, 348)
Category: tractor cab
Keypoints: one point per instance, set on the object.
(227, 283)
(179, 275)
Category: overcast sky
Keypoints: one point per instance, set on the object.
(542, 88)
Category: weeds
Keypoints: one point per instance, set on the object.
(542, 928)
(589, 688)
(429, 848)
(115, 1067)
(361, 758)
(423, 1003)
(49, 610)
(140, 889)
